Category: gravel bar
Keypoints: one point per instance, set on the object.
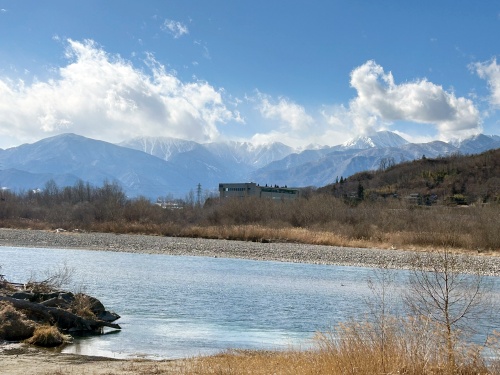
(283, 252)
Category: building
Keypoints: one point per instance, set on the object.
(251, 189)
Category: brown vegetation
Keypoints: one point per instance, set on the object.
(457, 179)
(14, 325)
(412, 347)
(47, 336)
(412, 205)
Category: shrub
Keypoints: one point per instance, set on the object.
(47, 336)
(14, 325)
(82, 305)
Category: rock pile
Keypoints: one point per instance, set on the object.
(27, 312)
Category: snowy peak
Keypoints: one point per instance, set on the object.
(162, 147)
(476, 143)
(382, 139)
(265, 154)
(246, 153)
(159, 166)
(250, 154)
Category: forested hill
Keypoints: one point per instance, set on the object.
(456, 179)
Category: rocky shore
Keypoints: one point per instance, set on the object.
(284, 252)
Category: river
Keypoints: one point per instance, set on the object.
(178, 306)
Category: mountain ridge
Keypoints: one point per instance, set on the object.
(159, 166)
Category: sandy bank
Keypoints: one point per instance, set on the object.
(18, 359)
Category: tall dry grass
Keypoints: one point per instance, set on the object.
(47, 336)
(411, 346)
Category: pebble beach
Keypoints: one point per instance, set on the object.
(283, 252)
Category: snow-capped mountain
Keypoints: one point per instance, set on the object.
(247, 153)
(321, 167)
(380, 139)
(156, 167)
(95, 162)
(161, 147)
(477, 143)
(213, 162)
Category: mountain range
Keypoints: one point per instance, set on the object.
(158, 166)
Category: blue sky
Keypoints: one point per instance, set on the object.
(298, 72)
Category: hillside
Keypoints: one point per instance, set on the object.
(323, 166)
(454, 179)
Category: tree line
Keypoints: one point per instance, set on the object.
(317, 217)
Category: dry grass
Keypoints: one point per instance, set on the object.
(13, 323)
(410, 347)
(259, 362)
(409, 240)
(272, 363)
(47, 336)
(82, 306)
(325, 220)
(259, 233)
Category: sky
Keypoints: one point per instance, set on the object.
(292, 71)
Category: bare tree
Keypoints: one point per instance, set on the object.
(439, 290)
(386, 163)
(53, 279)
(382, 307)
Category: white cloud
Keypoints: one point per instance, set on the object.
(103, 96)
(380, 102)
(325, 137)
(490, 71)
(282, 120)
(290, 115)
(176, 28)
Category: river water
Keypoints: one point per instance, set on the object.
(177, 306)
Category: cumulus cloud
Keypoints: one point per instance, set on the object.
(103, 96)
(490, 71)
(380, 102)
(176, 28)
(327, 136)
(290, 115)
(282, 120)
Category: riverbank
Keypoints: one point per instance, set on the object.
(283, 252)
(19, 359)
